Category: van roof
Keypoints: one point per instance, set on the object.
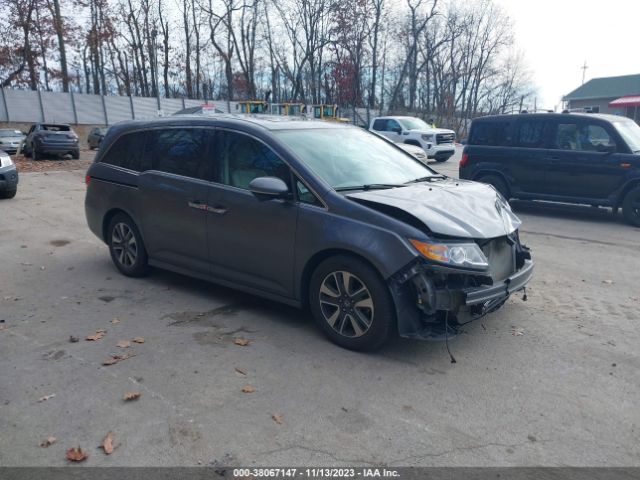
(268, 122)
(509, 116)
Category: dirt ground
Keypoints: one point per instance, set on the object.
(552, 381)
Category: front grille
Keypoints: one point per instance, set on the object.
(501, 256)
(443, 138)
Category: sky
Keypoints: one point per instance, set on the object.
(558, 36)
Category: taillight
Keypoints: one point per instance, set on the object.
(464, 159)
(87, 179)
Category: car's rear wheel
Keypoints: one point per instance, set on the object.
(8, 193)
(76, 155)
(351, 303)
(37, 155)
(631, 207)
(126, 246)
(498, 183)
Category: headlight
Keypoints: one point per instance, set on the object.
(428, 137)
(466, 255)
(5, 161)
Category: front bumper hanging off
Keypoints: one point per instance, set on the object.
(431, 301)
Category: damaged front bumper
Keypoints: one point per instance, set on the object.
(432, 301)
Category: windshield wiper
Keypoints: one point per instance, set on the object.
(369, 186)
(427, 179)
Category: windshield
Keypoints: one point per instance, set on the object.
(347, 157)
(10, 133)
(630, 132)
(414, 124)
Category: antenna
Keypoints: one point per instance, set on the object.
(584, 70)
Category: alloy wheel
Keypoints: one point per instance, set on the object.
(123, 242)
(346, 304)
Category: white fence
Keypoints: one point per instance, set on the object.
(37, 106)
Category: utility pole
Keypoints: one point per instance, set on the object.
(584, 70)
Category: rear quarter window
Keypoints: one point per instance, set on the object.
(497, 133)
(380, 125)
(127, 152)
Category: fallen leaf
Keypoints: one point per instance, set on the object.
(46, 397)
(117, 358)
(115, 321)
(277, 418)
(76, 454)
(43, 268)
(138, 340)
(129, 396)
(1, 327)
(124, 344)
(248, 389)
(26, 264)
(608, 282)
(407, 408)
(101, 331)
(516, 332)
(73, 339)
(107, 443)
(241, 371)
(47, 442)
(243, 342)
(96, 336)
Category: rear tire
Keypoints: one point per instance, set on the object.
(496, 182)
(76, 155)
(36, 154)
(631, 207)
(127, 247)
(351, 303)
(8, 193)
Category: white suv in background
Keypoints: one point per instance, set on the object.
(436, 142)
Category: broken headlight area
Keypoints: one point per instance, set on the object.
(435, 297)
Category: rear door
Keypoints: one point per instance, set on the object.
(174, 196)
(529, 157)
(251, 240)
(586, 158)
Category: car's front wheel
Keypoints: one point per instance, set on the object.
(126, 246)
(351, 303)
(631, 206)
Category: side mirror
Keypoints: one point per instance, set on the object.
(396, 130)
(272, 187)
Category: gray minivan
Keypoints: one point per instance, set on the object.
(313, 214)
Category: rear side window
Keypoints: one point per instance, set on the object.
(583, 137)
(531, 134)
(127, 152)
(491, 134)
(181, 151)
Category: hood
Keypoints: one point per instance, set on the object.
(432, 131)
(455, 208)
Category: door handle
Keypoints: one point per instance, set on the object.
(218, 210)
(197, 204)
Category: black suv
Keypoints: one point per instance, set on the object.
(591, 159)
(307, 213)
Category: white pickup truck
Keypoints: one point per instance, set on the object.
(437, 143)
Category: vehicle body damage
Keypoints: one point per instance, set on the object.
(431, 295)
(309, 214)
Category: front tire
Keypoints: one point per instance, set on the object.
(351, 303)
(631, 207)
(498, 183)
(8, 193)
(127, 247)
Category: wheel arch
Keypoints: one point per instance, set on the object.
(630, 185)
(112, 213)
(413, 142)
(317, 259)
(496, 173)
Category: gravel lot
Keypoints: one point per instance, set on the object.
(551, 381)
